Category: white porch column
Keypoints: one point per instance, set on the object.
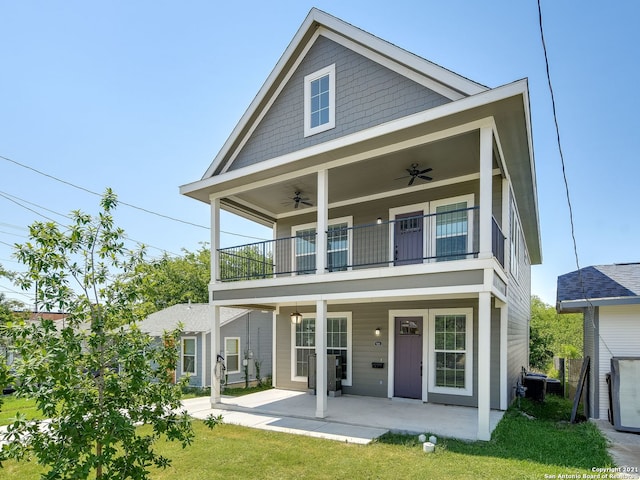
(504, 325)
(216, 370)
(484, 365)
(321, 358)
(486, 196)
(323, 221)
(215, 239)
(203, 360)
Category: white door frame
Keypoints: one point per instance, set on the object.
(424, 314)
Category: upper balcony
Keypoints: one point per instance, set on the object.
(449, 234)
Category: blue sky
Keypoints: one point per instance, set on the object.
(140, 96)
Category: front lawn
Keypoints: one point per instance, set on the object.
(12, 404)
(520, 448)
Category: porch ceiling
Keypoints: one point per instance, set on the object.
(453, 157)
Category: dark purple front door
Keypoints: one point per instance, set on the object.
(408, 238)
(408, 357)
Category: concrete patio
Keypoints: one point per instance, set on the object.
(355, 419)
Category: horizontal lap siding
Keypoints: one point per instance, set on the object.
(365, 319)
(519, 316)
(366, 213)
(619, 337)
(258, 341)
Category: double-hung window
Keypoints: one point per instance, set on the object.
(338, 343)
(319, 101)
(338, 246)
(189, 356)
(453, 225)
(305, 250)
(232, 354)
(451, 353)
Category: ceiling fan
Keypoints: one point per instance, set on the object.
(415, 173)
(297, 200)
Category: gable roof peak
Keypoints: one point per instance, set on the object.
(455, 86)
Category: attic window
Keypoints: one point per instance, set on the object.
(320, 101)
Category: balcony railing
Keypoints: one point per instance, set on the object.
(443, 236)
(497, 241)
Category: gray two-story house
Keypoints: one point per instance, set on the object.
(402, 199)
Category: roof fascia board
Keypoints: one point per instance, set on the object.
(532, 164)
(447, 77)
(394, 65)
(452, 108)
(319, 150)
(318, 18)
(297, 39)
(267, 106)
(570, 305)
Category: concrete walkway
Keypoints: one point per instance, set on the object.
(349, 418)
(624, 448)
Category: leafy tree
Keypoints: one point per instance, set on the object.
(246, 263)
(97, 377)
(8, 314)
(172, 280)
(552, 334)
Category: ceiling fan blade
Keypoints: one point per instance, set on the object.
(404, 176)
(307, 203)
(424, 177)
(427, 170)
(413, 179)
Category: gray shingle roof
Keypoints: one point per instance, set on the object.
(195, 317)
(620, 281)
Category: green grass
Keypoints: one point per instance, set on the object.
(192, 392)
(239, 391)
(520, 448)
(12, 405)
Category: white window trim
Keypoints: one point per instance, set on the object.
(468, 373)
(346, 382)
(331, 71)
(226, 355)
(429, 227)
(195, 356)
(391, 328)
(433, 205)
(333, 221)
(424, 207)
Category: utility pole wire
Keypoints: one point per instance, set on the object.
(121, 202)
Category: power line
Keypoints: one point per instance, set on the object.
(15, 199)
(100, 195)
(14, 234)
(564, 176)
(119, 201)
(11, 225)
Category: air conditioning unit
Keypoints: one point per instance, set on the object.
(334, 375)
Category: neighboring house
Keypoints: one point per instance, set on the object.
(609, 298)
(30, 317)
(403, 202)
(245, 335)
